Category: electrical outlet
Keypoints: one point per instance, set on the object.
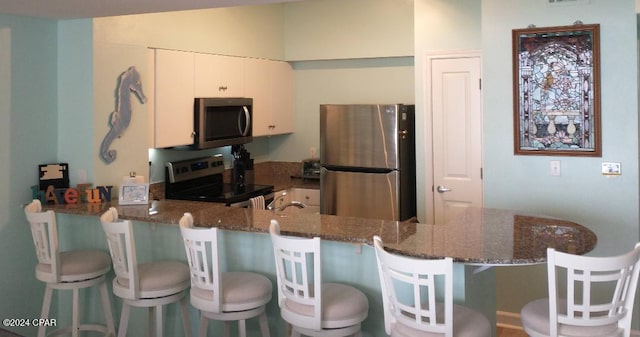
(554, 168)
(312, 152)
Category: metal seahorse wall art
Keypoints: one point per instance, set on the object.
(128, 83)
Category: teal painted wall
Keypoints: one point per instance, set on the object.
(608, 206)
(75, 104)
(29, 131)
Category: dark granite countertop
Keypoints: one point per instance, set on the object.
(478, 236)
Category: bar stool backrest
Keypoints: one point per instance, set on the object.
(123, 253)
(587, 277)
(200, 245)
(410, 291)
(45, 239)
(299, 277)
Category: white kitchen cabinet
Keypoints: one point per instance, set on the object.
(258, 87)
(172, 122)
(219, 76)
(282, 93)
(307, 196)
(271, 85)
(180, 77)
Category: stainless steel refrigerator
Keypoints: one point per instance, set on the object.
(367, 158)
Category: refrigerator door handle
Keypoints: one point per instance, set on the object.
(442, 189)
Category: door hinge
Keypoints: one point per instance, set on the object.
(480, 84)
(481, 173)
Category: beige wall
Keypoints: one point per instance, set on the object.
(343, 29)
(255, 31)
(368, 34)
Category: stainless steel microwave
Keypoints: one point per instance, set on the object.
(222, 122)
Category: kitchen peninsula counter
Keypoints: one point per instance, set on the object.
(478, 236)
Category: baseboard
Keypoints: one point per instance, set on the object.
(512, 320)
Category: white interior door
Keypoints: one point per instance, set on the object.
(457, 135)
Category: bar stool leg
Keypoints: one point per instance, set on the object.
(106, 308)
(159, 331)
(226, 331)
(264, 325)
(124, 320)
(185, 317)
(242, 328)
(150, 322)
(46, 304)
(204, 324)
(75, 325)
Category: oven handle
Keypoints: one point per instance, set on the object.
(246, 203)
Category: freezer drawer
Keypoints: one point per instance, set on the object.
(360, 194)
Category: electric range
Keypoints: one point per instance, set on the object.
(201, 179)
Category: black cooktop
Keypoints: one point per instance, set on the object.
(227, 193)
(201, 180)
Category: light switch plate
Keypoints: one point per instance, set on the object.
(554, 168)
(611, 169)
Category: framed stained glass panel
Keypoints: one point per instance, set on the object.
(556, 90)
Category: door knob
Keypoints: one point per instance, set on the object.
(442, 189)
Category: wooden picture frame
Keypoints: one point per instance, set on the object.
(133, 194)
(556, 90)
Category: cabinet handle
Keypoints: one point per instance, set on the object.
(222, 88)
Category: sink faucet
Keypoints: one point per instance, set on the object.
(272, 204)
(293, 203)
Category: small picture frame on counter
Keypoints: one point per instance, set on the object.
(133, 194)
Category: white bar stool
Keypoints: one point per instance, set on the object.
(311, 307)
(67, 270)
(410, 289)
(599, 299)
(149, 285)
(222, 296)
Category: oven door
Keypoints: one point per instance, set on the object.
(268, 198)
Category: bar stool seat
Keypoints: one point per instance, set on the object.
(76, 265)
(67, 270)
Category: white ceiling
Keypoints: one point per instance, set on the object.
(73, 9)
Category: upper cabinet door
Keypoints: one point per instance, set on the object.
(219, 76)
(282, 93)
(271, 85)
(173, 99)
(258, 87)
